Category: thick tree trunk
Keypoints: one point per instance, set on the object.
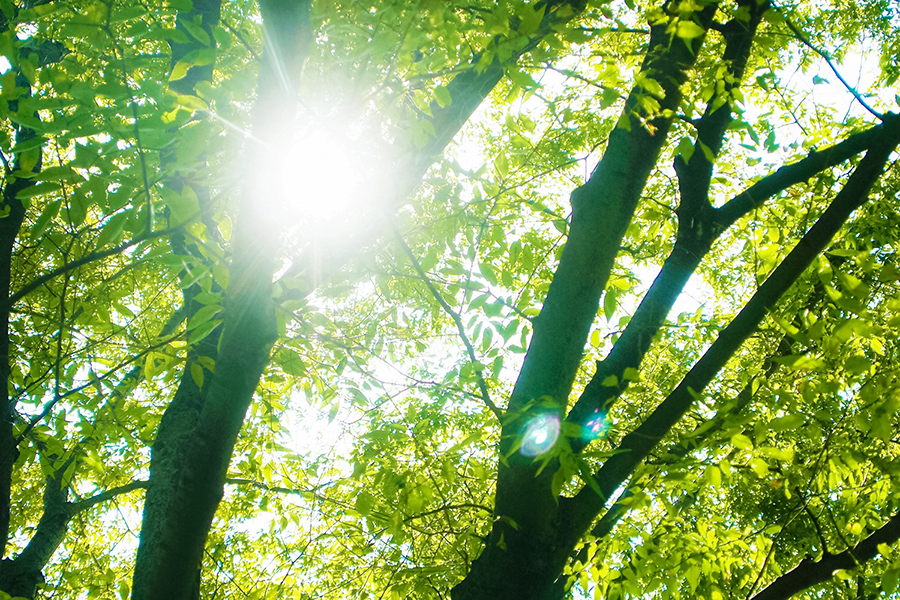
(200, 427)
(9, 231)
(523, 557)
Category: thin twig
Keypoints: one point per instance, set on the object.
(240, 38)
(482, 384)
(805, 41)
(99, 255)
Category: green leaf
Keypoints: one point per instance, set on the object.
(487, 271)
(776, 453)
(203, 330)
(609, 304)
(759, 467)
(529, 18)
(857, 364)
(685, 149)
(78, 207)
(195, 29)
(112, 230)
(787, 423)
(502, 165)
(889, 580)
(714, 476)
(195, 58)
(741, 442)
(38, 190)
(442, 95)
(689, 30)
(203, 315)
(291, 363)
(50, 211)
(197, 374)
(183, 206)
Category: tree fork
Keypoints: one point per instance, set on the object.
(522, 544)
(581, 510)
(697, 230)
(659, 299)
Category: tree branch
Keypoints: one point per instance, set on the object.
(76, 507)
(678, 449)
(460, 327)
(786, 176)
(809, 573)
(88, 258)
(805, 41)
(526, 508)
(582, 509)
(688, 252)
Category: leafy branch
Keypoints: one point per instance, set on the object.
(638, 444)
(87, 258)
(809, 573)
(457, 320)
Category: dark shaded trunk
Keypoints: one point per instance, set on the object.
(28, 161)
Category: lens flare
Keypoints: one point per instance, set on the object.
(595, 427)
(540, 435)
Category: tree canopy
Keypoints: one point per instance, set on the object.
(449, 299)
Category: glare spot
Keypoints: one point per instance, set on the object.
(540, 435)
(596, 427)
(320, 178)
(325, 185)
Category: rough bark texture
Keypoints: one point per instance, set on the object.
(9, 229)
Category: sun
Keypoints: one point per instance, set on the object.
(320, 183)
(315, 181)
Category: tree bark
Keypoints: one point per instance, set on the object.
(9, 231)
(581, 510)
(809, 573)
(200, 427)
(523, 555)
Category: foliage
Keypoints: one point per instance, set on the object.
(708, 405)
